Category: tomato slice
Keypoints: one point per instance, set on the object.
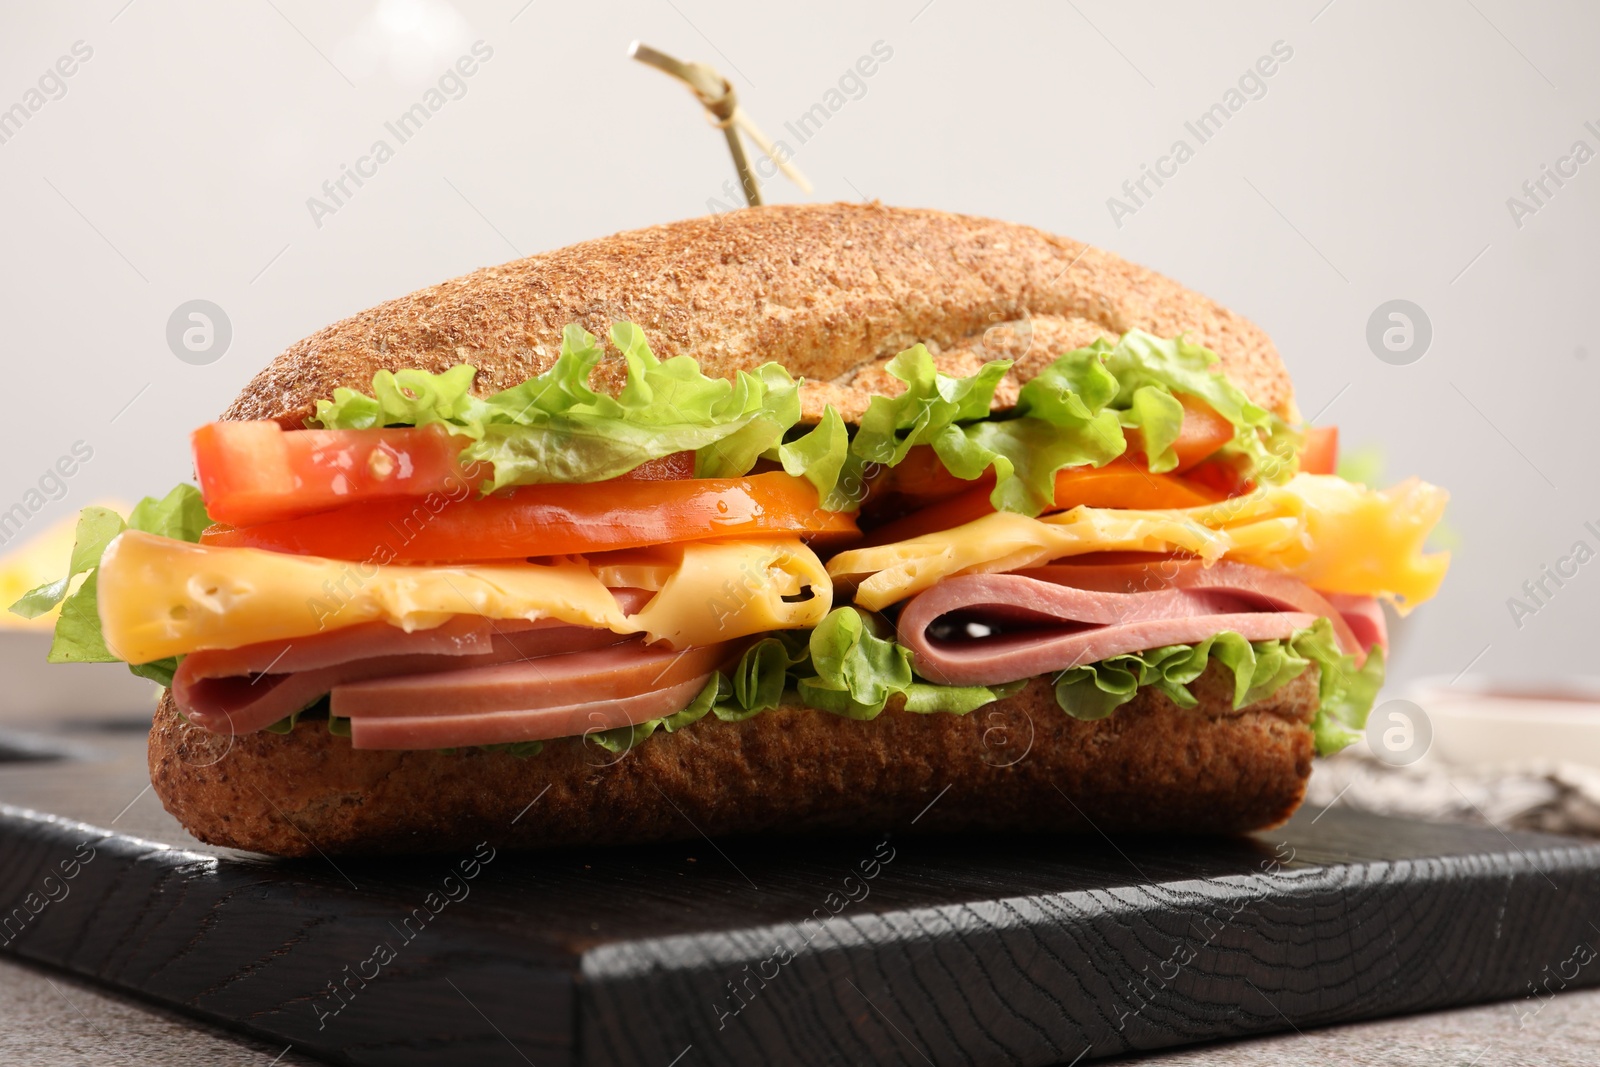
(1119, 484)
(1321, 453)
(1203, 432)
(920, 478)
(550, 520)
(253, 472)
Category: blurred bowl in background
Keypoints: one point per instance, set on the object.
(1485, 723)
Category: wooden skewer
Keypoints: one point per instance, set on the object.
(716, 95)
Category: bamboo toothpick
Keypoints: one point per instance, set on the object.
(716, 95)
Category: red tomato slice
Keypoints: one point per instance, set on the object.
(1225, 475)
(919, 478)
(1321, 453)
(550, 520)
(1119, 484)
(1203, 432)
(253, 472)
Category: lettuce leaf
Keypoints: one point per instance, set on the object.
(1063, 420)
(1076, 412)
(180, 514)
(1145, 364)
(555, 428)
(96, 528)
(855, 672)
(823, 458)
(1260, 668)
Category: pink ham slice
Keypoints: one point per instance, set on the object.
(246, 689)
(531, 724)
(615, 672)
(1056, 617)
(463, 635)
(1365, 616)
(1241, 587)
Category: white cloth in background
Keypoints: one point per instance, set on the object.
(1549, 796)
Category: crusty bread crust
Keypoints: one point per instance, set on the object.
(831, 291)
(1019, 764)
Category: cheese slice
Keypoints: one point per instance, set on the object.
(720, 590)
(1336, 536)
(161, 597)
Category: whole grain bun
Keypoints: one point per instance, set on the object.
(831, 291)
(1018, 764)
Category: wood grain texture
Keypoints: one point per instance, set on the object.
(956, 949)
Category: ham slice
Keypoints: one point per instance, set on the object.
(1365, 617)
(615, 672)
(987, 629)
(463, 635)
(531, 724)
(246, 689)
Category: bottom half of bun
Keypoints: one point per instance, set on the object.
(1018, 764)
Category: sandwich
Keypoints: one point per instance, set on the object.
(795, 519)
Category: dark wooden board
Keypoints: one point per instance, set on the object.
(1028, 950)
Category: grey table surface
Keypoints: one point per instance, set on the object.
(48, 1018)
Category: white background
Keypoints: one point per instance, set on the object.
(1377, 166)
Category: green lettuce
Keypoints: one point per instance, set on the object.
(823, 457)
(180, 514)
(1075, 412)
(854, 672)
(1147, 366)
(555, 428)
(1260, 668)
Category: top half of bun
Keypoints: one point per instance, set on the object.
(831, 291)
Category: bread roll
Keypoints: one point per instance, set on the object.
(832, 292)
(1018, 764)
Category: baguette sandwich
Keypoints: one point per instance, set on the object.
(800, 518)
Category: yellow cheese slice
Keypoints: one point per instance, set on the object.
(160, 597)
(1334, 535)
(719, 590)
